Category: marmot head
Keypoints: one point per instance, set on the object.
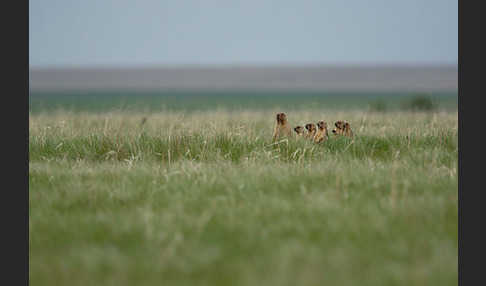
(311, 127)
(281, 118)
(322, 125)
(347, 127)
(299, 130)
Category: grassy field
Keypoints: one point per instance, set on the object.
(193, 195)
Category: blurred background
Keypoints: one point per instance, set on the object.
(157, 55)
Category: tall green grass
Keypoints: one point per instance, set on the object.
(205, 198)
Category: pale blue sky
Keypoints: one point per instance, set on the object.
(107, 33)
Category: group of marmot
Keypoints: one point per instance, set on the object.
(314, 132)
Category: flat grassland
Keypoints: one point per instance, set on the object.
(203, 197)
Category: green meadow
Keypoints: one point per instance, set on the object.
(187, 188)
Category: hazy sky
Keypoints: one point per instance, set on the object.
(150, 32)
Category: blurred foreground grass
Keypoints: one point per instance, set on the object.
(204, 198)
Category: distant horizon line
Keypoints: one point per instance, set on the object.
(245, 65)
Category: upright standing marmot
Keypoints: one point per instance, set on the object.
(321, 133)
(282, 128)
(311, 131)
